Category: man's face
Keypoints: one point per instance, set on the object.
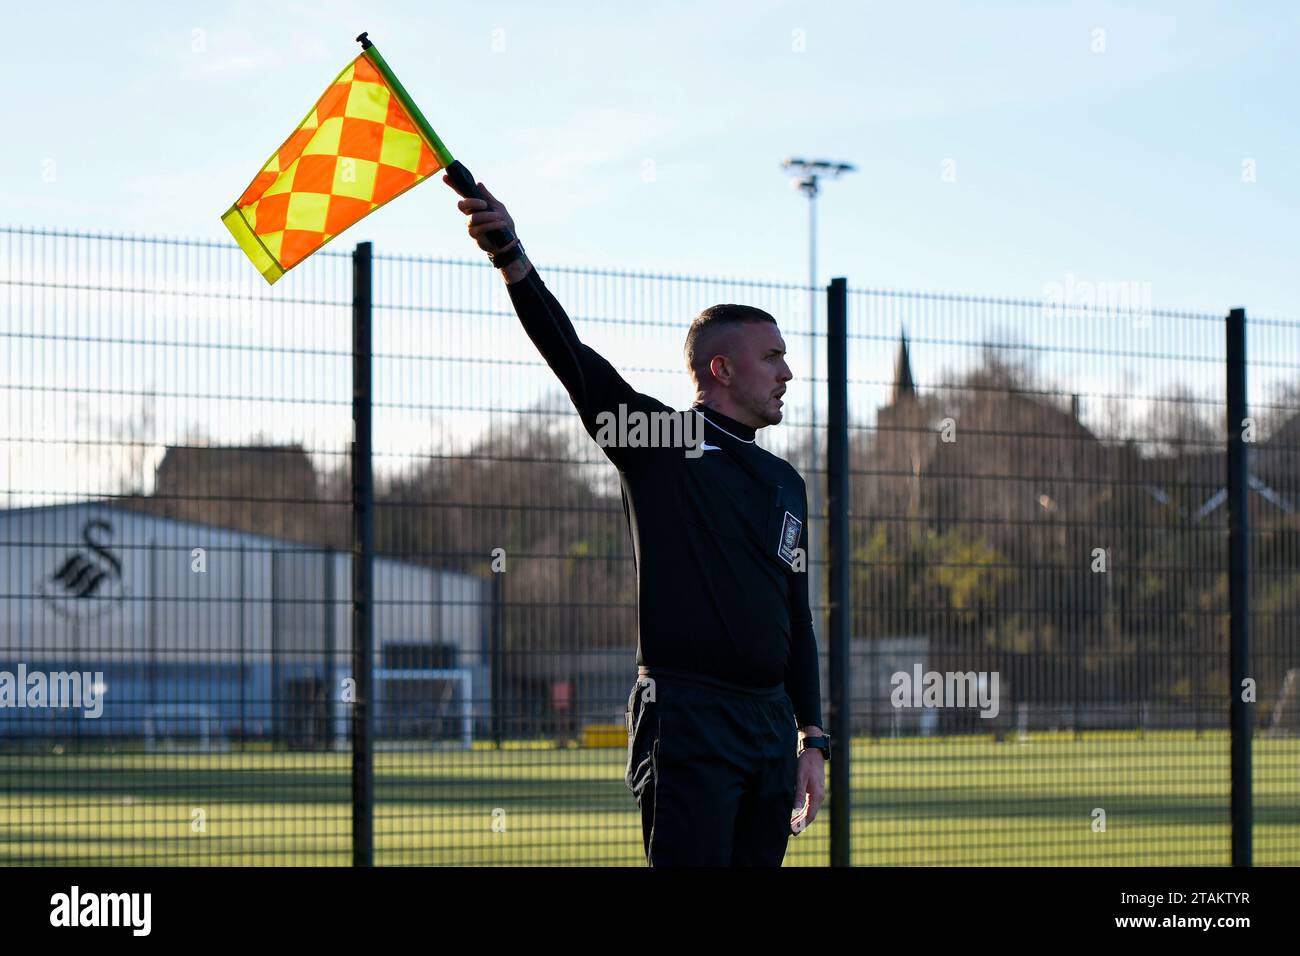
(756, 353)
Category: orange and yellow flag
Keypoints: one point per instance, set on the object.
(362, 144)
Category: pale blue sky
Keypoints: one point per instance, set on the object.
(1003, 149)
(1122, 165)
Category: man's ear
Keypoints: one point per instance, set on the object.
(719, 367)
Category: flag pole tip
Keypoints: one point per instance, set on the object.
(364, 41)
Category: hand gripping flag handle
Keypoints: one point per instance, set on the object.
(462, 180)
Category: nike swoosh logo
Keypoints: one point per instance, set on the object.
(705, 446)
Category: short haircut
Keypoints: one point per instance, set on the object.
(709, 327)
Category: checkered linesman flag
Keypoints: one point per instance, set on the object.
(363, 143)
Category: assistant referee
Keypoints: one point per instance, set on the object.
(725, 747)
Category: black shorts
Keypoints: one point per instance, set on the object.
(712, 766)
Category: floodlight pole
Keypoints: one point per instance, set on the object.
(810, 173)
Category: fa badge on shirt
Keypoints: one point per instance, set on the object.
(790, 529)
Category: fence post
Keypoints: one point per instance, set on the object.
(496, 636)
(243, 651)
(325, 698)
(1239, 588)
(277, 674)
(152, 667)
(363, 547)
(837, 512)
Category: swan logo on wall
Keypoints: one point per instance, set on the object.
(88, 582)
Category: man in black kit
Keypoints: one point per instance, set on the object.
(725, 747)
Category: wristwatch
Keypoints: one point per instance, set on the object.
(500, 260)
(822, 743)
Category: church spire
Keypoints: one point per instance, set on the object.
(903, 384)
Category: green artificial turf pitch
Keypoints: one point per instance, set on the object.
(967, 801)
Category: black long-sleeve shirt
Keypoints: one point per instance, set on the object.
(721, 589)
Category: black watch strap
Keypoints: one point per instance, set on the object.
(500, 260)
(822, 743)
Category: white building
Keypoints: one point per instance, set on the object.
(205, 631)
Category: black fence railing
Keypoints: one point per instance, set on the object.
(1033, 627)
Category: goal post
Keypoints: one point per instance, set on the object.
(418, 706)
(182, 727)
(1285, 719)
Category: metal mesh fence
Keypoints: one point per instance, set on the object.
(1036, 502)
(1039, 527)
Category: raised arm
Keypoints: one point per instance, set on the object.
(593, 384)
